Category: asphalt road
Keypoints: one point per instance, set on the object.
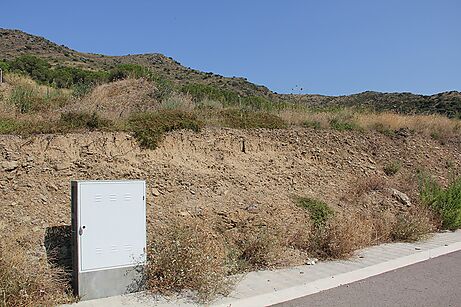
(435, 282)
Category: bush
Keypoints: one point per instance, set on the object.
(187, 257)
(260, 250)
(392, 168)
(149, 127)
(247, 119)
(60, 77)
(343, 124)
(9, 126)
(201, 92)
(21, 97)
(444, 202)
(124, 71)
(318, 210)
(80, 120)
(411, 226)
(24, 282)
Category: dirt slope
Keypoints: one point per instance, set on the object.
(207, 176)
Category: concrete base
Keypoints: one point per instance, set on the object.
(105, 283)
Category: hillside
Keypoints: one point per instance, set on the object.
(238, 177)
(14, 43)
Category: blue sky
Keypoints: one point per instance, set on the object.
(326, 47)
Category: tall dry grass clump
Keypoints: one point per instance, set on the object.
(189, 256)
(25, 281)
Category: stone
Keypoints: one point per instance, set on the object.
(311, 261)
(9, 165)
(155, 192)
(401, 197)
(252, 208)
(61, 166)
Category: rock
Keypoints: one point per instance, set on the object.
(9, 165)
(252, 208)
(401, 197)
(155, 192)
(61, 166)
(311, 261)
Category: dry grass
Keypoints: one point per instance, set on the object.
(189, 256)
(24, 281)
(261, 249)
(436, 126)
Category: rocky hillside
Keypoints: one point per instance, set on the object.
(207, 176)
(14, 43)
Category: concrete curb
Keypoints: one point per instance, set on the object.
(343, 279)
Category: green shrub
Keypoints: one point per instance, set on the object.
(21, 97)
(124, 71)
(243, 119)
(343, 124)
(392, 168)
(80, 120)
(9, 126)
(36, 68)
(201, 92)
(81, 89)
(60, 77)
(149, 127)
(445, 202)
(318, 210)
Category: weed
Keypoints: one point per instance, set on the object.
(445, 202)
(411, 226)
(149, 127)
(9, 126)
(187, 257)
(343, 124)
(21, 97)
(24, 282)
(261, 249)
(318, 210)
(392, 168)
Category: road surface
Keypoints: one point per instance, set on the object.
(435, 282)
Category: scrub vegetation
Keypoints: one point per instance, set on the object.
(217, 198)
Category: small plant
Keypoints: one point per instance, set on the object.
(318, 210)
(149, 127)
(343, 124)
(392, 168)
(445, 202)
(22, 97)
(261, 249)
(9, 126)
(411, 226)
(187, 257)
(24, 282)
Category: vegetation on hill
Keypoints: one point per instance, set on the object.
(51, 89)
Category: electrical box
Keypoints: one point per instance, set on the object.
(109, 237)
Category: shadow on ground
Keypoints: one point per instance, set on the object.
(58, 245)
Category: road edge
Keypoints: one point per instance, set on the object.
(343, 279)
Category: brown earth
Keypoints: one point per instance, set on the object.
(206, 176)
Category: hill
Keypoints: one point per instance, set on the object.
(14, 43)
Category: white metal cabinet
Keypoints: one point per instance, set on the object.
(111, 224)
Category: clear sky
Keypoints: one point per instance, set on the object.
(332, 47)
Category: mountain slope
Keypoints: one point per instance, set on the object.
(14, 43)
